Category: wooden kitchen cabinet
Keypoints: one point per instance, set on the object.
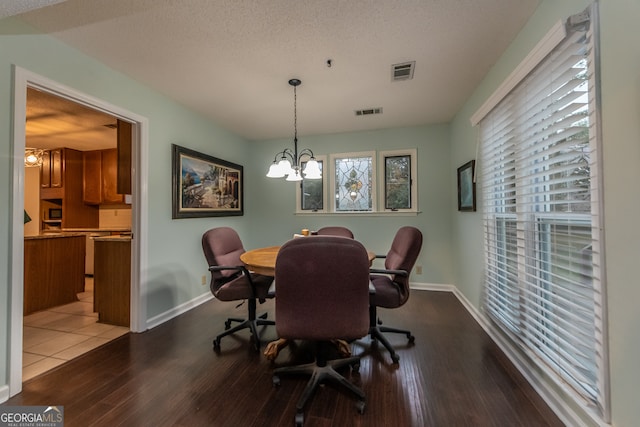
(112, 279)
(125, 144)
(92, 177)
(100, 177)
(69, 194)
(52, 173)
(53, 270)
(110, 177)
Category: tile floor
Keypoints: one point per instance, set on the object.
(52, 337)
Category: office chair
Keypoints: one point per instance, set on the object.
(323, 295)
(335, 231)
(231, 281)
(392, 284)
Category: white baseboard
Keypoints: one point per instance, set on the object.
(4, 393)
(567, 414)
(176, 311)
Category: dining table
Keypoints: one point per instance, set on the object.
(263, 261)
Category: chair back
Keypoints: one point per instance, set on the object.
(222, 246)
(322, 289)
(335, 231)
(402, 255)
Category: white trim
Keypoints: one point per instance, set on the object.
(385, 213)
(325, 162)
(22, 79)
(568, 416)
(539, 52)
(440, 287)
(4, 393)
(413, 155)
(177, 311)
(332, 180)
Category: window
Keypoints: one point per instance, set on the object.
(400, 187)
(311, 197)
(352, 181)
(544, 275)
(353, 184)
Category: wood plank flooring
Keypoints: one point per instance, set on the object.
(453, 375)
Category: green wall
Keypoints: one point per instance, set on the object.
(452, 253)
(174, 256)
(620, 77)
(175, 260)
(276, 200)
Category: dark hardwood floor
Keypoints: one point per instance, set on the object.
(453, 375)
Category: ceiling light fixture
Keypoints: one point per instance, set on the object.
(291, 161)
(33, 157)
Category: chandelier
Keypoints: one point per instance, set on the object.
(33, 157)
(290, 163)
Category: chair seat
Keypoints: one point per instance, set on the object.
(387, 294)
(240, 288)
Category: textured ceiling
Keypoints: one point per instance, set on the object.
(230, 60)
(15, 7)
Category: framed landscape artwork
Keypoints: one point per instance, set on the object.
(205, 186)
(467, 187)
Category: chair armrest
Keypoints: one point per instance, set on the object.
(228, 267)
(403, 273)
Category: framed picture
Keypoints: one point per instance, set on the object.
(205, 186)
(467, 187)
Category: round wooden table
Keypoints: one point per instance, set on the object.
(263, 260)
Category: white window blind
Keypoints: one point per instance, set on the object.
(541, 211)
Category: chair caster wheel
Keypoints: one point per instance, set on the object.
(395, 358)
(299, 419)
(216, 344)
(361, 405)
(227, 325)
(411, 338)
(355, 367)
(275, 380)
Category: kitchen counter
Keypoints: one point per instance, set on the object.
(97, 230)
(56, 235)
(120, 238)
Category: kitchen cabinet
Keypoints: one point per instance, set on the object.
(125, 143)
(53, 270)
(68, 195)
(100, 177)
(52, 173)
(112, 279)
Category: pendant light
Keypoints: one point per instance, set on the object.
(288, 163)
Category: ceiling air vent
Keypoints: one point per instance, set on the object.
(368, 111)
(402, 71)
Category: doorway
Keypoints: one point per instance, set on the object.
(138, 199)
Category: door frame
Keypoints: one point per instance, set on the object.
(139, 207)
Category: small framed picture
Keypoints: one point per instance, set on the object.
(467, 187)
(204, 185)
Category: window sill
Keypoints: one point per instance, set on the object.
(368, 214)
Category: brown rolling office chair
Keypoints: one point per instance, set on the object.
(392, 283)
(335, 231)
(231, 281)
(323, 294)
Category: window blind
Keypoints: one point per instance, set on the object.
(541, 214)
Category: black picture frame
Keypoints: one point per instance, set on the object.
(205, 186)
(467, 187)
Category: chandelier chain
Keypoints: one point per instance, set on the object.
(295, 113)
